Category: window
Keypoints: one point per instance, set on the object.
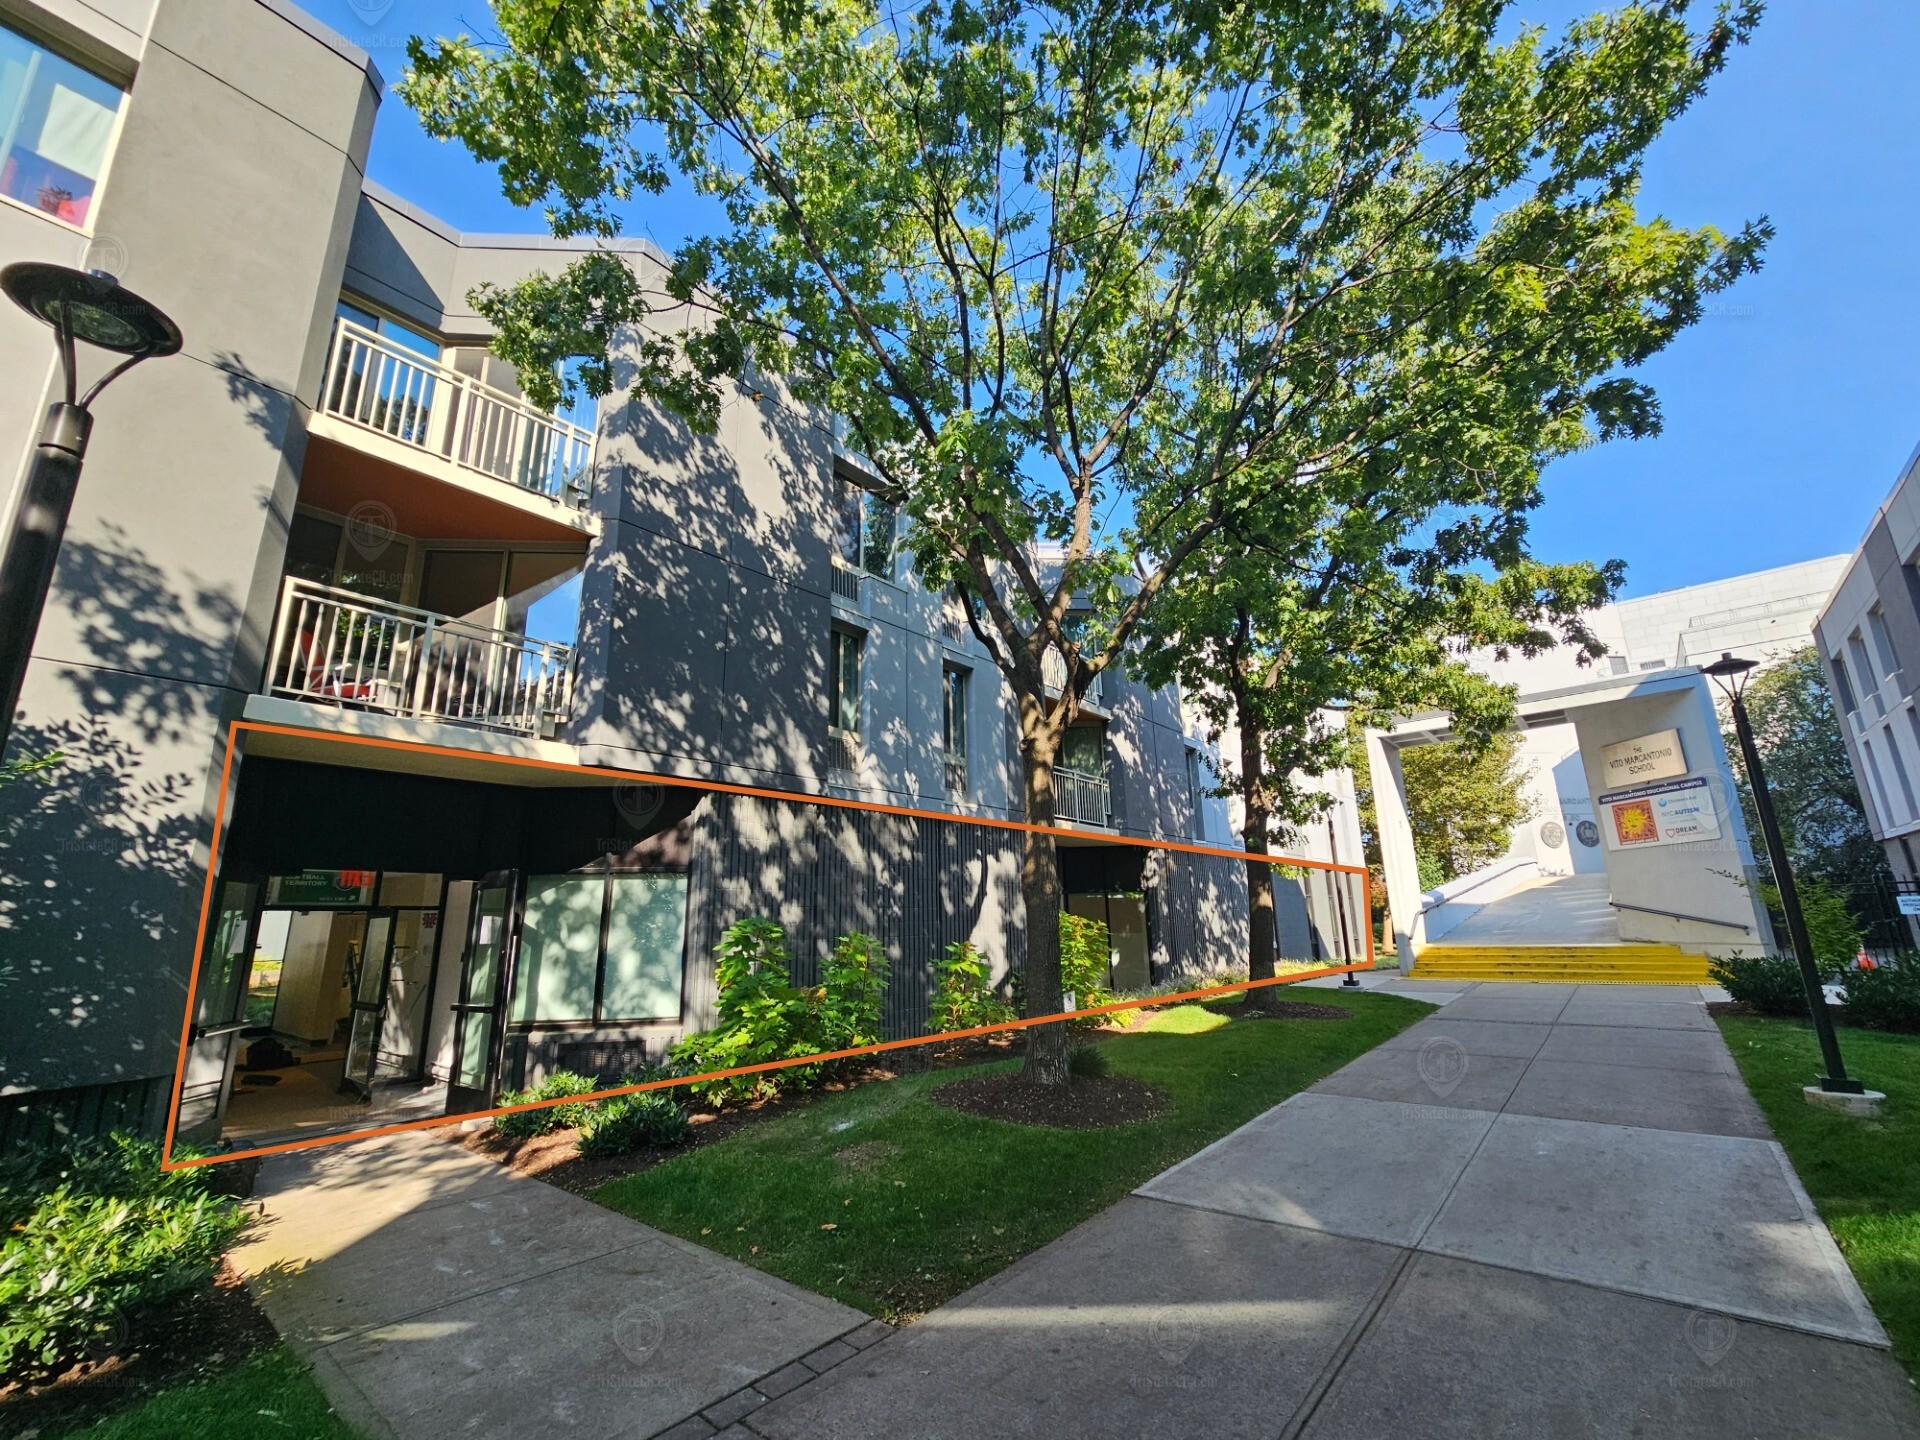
(1197, 793)
(1084, 750)
(1900, 774)
(1879, 784)
(867, 528)
(846, 649)
(601, 948)
(1845, 682)
(953, 711)
(402, 335)
(1882, 642)
(1863, 672)
(56, 125)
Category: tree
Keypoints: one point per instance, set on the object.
(1815, 797)
(1098, 277)
(1463, 801)
(1295, 667)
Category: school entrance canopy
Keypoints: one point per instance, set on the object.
(1635, 866)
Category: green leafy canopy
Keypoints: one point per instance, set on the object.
(1118, 278)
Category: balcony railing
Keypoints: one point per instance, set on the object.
(846, 582)
(1053, 674)
(333, 647)
(423, 404)
(1080, 797)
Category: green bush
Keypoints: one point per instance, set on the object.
(1088, 1062)
(525, 1124)
(962, 992)
(1886, 998)
(764, 1017)
(649, 1119)
(1831, 929)
(1769, 983)
(853, 982)
(92, 1231)
(1086, 955)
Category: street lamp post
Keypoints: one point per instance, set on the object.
(1730, 674)
(79, 305)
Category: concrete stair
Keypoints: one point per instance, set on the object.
(1622, 964)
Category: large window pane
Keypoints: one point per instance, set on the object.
(559, 948)
(954, 728)
(646, 935)
(56, 122)
(543, 595)
(843, 679)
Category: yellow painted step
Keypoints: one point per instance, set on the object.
(1632, 964)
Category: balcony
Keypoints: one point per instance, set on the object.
(334, 647)
(403, 407)
(1053, 674)
(1082, 798)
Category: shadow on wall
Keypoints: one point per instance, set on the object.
(704, 615)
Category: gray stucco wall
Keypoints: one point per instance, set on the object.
(227, 201)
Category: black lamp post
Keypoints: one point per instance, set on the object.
(79, 305)
(1730, 674)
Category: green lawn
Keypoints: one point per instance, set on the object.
(891, 1203)
(270, 1397)
(1863, 1174)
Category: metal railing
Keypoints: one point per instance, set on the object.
(846, 582)
(956, 774)
(334, 647)
(405, 396)
(1080, 797)
(1053, 674)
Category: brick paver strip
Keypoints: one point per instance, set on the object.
(781, 1381)
(692, 1428)
(870, 1333)
(736, 1406)
(828, 1356)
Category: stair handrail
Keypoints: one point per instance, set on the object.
(1681, 915)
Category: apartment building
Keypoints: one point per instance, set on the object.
(1869, 639)
(336, 518)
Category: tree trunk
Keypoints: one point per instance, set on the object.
(1261, 931)
(1046, 1062)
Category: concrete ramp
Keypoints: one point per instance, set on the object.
(1561, 929)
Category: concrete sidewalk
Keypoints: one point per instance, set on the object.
(1543, 1211)
(438, 1294)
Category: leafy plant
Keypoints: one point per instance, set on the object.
(1086, 954)
(761, 1012)
(1831, 928)
(963, 992)
(525, 1124)
(625, 1123)
(1771, 984)
(1888, 997)
(854, 982)
(1088, 1062)
(93, 1231)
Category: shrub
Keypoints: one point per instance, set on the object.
(1769, 983)
(763, 1016)
(854, 981)
(525, 1124)
(1831, 929)
(1086, 953)
(962, 994)
(93, 1230)
(1088, 1062)
(625, 1123)
(1887, 998)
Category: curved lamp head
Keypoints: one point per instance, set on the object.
(1729, 672)
(94, 307)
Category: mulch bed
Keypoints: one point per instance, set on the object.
(552, 1158)
(194, 1336)
(1084, 1103)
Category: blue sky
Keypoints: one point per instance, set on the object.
(1788, 409)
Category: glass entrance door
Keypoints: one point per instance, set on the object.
(369, 977)
(483, 970)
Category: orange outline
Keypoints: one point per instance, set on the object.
(621, 777)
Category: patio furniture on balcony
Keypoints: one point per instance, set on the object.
(334, 647)
(425, 405)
